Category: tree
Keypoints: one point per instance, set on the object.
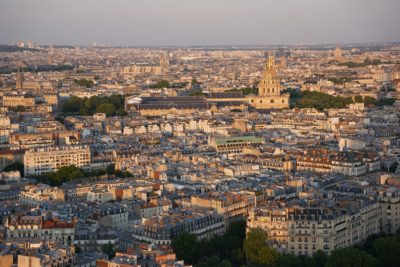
(257, 250)
(64, 174)
(89, 106)
(18, 108)
(73, 104)
(358, 99)
(186, 247)
(106, 108)
(224, 263)
(109, 250)
(197, 93)
(369, 101)
(161, 84)
(385, 102)
(84, 82)
(320, 259)
(387, 250)
(68, 173)
(245, 91)
(15, 166)
(110, 169)
(351, 257)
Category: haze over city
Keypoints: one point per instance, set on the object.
(206, 22)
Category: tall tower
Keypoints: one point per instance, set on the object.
(19, 79)
(270, 84)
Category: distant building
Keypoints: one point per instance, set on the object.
(269, 90)
(234, 144)
(11, 100)
(338, 52)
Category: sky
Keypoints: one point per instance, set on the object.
(199, 22)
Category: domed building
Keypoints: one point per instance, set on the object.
(269, 90)
(338, 52)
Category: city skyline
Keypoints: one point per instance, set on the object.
(185, 23)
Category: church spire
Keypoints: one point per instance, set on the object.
(271, 61)
(19, 79)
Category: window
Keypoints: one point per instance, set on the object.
(272, 101)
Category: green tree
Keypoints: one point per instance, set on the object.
(68, 173)
(89, 106)
(73, 104)
(110, 169)
(186, 247)
(84, 82)
(385, 102)
(320, 259)
(15, 166)
(108, 109)
(369, 101)
(109, 250)
(18, 108)
(245, 91)
(351, 257)
(257, 250)
(161, 84)
(387, 250)
(225, 263)
(197, 93)
(358, 99)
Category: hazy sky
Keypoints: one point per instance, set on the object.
(199, 22)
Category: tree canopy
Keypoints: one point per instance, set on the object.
(245, 91)
(84, 82)
(111, 105)
(161, 84)
(71, 173)
(366, 62)
(351, 257)
(219, 251)
(16, 166)
(318, 100)
(257, 251)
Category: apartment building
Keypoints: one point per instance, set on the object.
(389, 199)
(40, 228)
(34, 195)
(344, 162)
(52, 257)
(19, 100)
(303, 230)
(161, 230)
(42, 160)
(232, 206)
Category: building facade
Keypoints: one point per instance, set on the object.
(304, 230)
(42, 160)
